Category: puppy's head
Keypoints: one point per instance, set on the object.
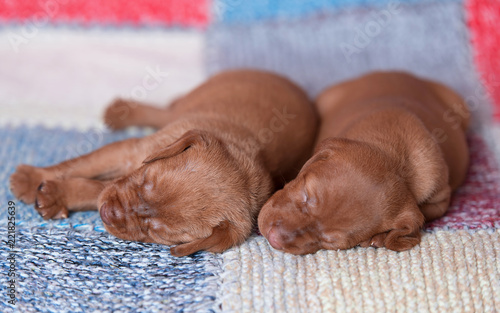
(194, 193)
(347, 194)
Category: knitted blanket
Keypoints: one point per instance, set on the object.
(63, 61)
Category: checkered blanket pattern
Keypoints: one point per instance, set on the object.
(64, 60)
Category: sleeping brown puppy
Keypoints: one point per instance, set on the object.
(197, 183)
(391, 149)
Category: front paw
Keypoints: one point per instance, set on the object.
(50, 201)
(376, 241)
(25, 181)
(396, 240)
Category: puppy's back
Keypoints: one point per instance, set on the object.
(276, 111)
(442, 112)
(427, 99)
(378, 85)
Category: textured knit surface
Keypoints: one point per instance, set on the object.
(62, 270)
(448, 272)
(40, 146)
(238, 11)
(106, 12)
(73, 265)
(64, 77)
(477, 203)
(326, 48)
(58, 73)
(482, 17)
(494, 138)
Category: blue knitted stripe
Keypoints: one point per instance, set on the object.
(240, 11)
(61, 270)
(73, 265)
(40, 146)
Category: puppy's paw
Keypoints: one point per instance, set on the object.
(119, 114)
(25, 181)
(376, 241)
(395, 240)
(50, 201)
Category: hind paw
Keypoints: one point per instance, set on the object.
(119, 114)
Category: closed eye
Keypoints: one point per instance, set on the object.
(305, 193)
(308, 199)
(305, 196)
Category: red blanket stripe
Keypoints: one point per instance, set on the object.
(483, 19)
(191, 13)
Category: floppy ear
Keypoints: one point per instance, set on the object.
(190, 138)
(405, 233)
(222, 238)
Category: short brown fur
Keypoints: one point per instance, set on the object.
(200, 181)
(391, 149)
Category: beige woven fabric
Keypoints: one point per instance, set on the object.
(449, 272)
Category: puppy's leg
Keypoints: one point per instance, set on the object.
(404, 230)
(124, 113)
(437, 205)
(428, 178)
(54, 198)
(108, 162)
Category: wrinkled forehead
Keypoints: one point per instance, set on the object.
(318, 176)
(337, 185)
(182, 169)
(161, 179)
(183, 180)
(339, 169)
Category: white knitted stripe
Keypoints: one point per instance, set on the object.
(65, 76)
(448, 272)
